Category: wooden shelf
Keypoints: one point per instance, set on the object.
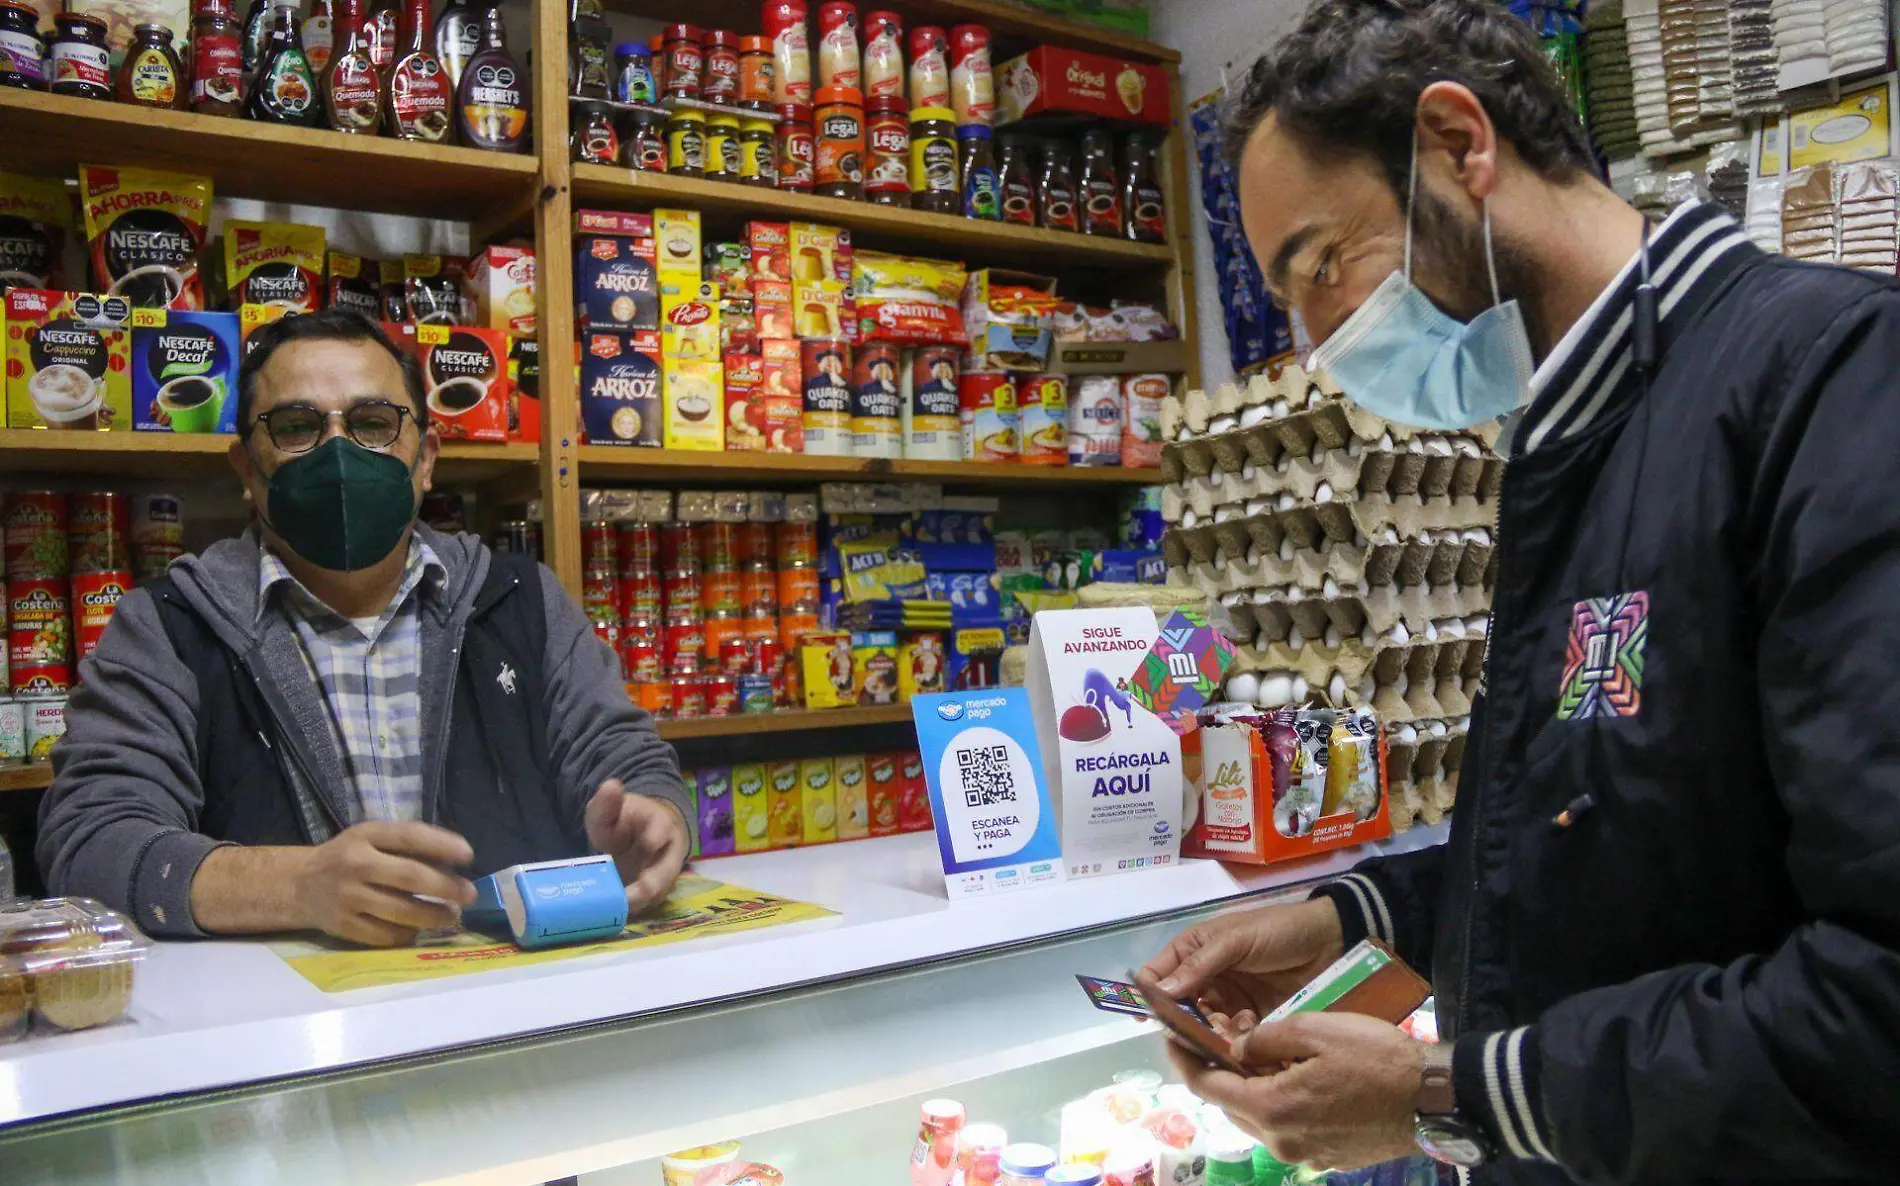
(1014, 22)
(16, 776)
(615, 463)
(164, 455)
(789, 721)
(892, 227)
(54, 134)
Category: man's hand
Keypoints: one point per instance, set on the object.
(1345, 1099)
(362, 884)
(1239, 967)
(646, 837)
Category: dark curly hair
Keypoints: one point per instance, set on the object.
(1349, 76)
(335, 324)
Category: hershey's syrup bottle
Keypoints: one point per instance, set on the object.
(285, 91)
(417, 94)
(492, 99)
(458, 34)
(352, 89)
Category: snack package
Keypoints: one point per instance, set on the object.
(145, 231)
(1009, 316)
(466, 372)
(912, 302)
(432, 289)
(883, 775)
(35, 214)
(499, 285)
(1285, 785)
(818, 801)
(751, 810)
(184, 370)
(713, 795)
(354, 282)
(785, 807)
(70, 961)
(69, 361)
(620, 388)
(848, 772)
(913, 810)
(269, 263)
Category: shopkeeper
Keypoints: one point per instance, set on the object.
(334, 720)
(1665, 934)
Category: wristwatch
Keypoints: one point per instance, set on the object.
(1444, 1134)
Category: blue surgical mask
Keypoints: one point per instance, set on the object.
(1404, 358)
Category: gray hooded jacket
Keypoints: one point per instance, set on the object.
(120, 823)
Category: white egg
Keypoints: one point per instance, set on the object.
(1257, 414)
(1300, 689)
(1295, 638)
(1407, 734)
(1189, 518)
(1222, 424)
(1276, 691)
(1333, 638)
(1336, 688)
(1324, 494)
(1398, 634)
(1328, 587)
(1385, 441)
(1243, 687)
(1281, 409)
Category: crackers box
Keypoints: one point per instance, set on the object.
(69, 358)
(499, 283)
(1049, 80)
(620, 388)
(184, 371)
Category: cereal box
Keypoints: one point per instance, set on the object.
(693, 371)
(848, 771)
(69, 358)
(818, 797)
(786, 804)
(874, 666)
(751, 814)
(883, 777)
(499, 284)
(676, 242)
(184, 370)
(620, 388)
(465, 371)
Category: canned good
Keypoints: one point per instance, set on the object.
(689, 697)
(45, 719)
(158, 534)
(768, 655)
(1043, 401)
(756, 694)
(798, 590)
(645, 630)
(759, 627)
(735, 653)
(640, 659)
(36, 625)
(98, 533)
(609, 633)
(754, 545)
(95, 595)
(719, 593)
(653, 695)
(719, 545)
(600, 547)
(640, 595)
(796, 544)
(683, 646)
(722, 695)
(679, 593)
(636, 547)
(992, 422)
(719, 629)
(679, 547)
(792, 629)
(758, 592)
(600, 595)
(12, 730)
(35, 539)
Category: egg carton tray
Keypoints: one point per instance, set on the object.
(1288, 392)
(1426, 800)
(1270, 613)
(1443, 562)
(1338, 476)
(1423, 663)
(1332, 426)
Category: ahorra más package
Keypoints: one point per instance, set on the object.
(1114, 766)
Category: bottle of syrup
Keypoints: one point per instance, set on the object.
(417, 94)
(285, 91)
(1144, 210)
(381, 32)
(458, 34)
(492, 99)
(1099, 187)
(319, 36)
(352, 89)
(1055, 195)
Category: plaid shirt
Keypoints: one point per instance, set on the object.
(370, 675)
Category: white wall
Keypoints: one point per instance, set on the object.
(1209, 34)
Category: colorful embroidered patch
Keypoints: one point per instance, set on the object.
(1603, 661)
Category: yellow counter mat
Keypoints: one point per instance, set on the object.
(698, 907)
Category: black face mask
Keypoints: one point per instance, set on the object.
(341, 506)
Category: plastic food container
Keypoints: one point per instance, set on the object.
(65, 964)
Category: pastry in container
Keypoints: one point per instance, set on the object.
(66, 962)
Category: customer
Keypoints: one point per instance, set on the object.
(324, 723)
(1665, 934)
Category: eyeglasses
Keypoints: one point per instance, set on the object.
(298, 428)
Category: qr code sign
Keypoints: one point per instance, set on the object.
(987, 779)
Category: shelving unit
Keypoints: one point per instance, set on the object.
(535, 196)
(17, 776)
(783, 722)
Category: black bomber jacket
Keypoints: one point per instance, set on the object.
(1695, 642)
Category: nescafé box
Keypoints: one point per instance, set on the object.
(184, 371)
(68, 358)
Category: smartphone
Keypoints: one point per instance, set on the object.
(1190, 1030)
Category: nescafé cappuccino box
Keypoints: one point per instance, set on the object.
(68, 360)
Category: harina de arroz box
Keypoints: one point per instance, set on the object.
(616, 275)
(620, 388)
(184, 370)
(69, 361)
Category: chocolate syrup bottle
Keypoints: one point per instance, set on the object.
(458, 34)
(492, 100)
(1099, 188)
(1144, 210)
(285, 91)
(1055, 196)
